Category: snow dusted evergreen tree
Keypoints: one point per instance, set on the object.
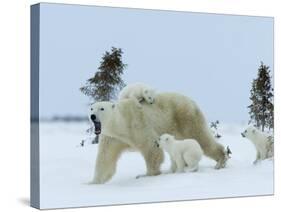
(262, 108)
(107, 81)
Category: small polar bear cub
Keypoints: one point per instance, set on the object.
(183, 153)
(263, 143)
(138, 91)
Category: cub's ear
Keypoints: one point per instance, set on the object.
(113, 105)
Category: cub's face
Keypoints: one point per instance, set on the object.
(249, 132)
(165, 140)
(149, 95)
(100, 111)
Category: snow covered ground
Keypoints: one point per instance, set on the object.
(66, 168)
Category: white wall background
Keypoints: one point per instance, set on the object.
(14, 92)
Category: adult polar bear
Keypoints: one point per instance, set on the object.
(124, 125)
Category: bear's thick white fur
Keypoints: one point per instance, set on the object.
(139, 92)
(263, 143)
(124, 125)
(183, 153)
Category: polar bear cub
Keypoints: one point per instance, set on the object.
(263, 143)
(138, 91)
(183, 153)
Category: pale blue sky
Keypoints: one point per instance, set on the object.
(210, 58)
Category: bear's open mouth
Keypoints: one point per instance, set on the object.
(97, 127)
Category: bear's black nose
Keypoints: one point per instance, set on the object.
(93, 117)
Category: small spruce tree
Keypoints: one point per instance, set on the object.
(261, 107)
(107, 81)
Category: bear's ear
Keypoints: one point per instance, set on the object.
(113, 105)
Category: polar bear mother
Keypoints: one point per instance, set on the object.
(124, 125)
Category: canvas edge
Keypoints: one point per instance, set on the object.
(34, 109)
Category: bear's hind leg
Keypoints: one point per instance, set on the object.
(213, 149)
(153, 157)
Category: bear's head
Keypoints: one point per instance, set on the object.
(164, 141)
(99, 114)
(249, 133)
(149, 95)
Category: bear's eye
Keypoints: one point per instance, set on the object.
(245, 131)
(91, 109)
(102, 108)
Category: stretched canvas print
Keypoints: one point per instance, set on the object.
(137, 106)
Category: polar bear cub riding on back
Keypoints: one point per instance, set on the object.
(138, 91)
(183, 153)
(263, 143)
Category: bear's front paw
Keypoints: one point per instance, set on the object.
(97, 181)
(90, 183)
(154, 173)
